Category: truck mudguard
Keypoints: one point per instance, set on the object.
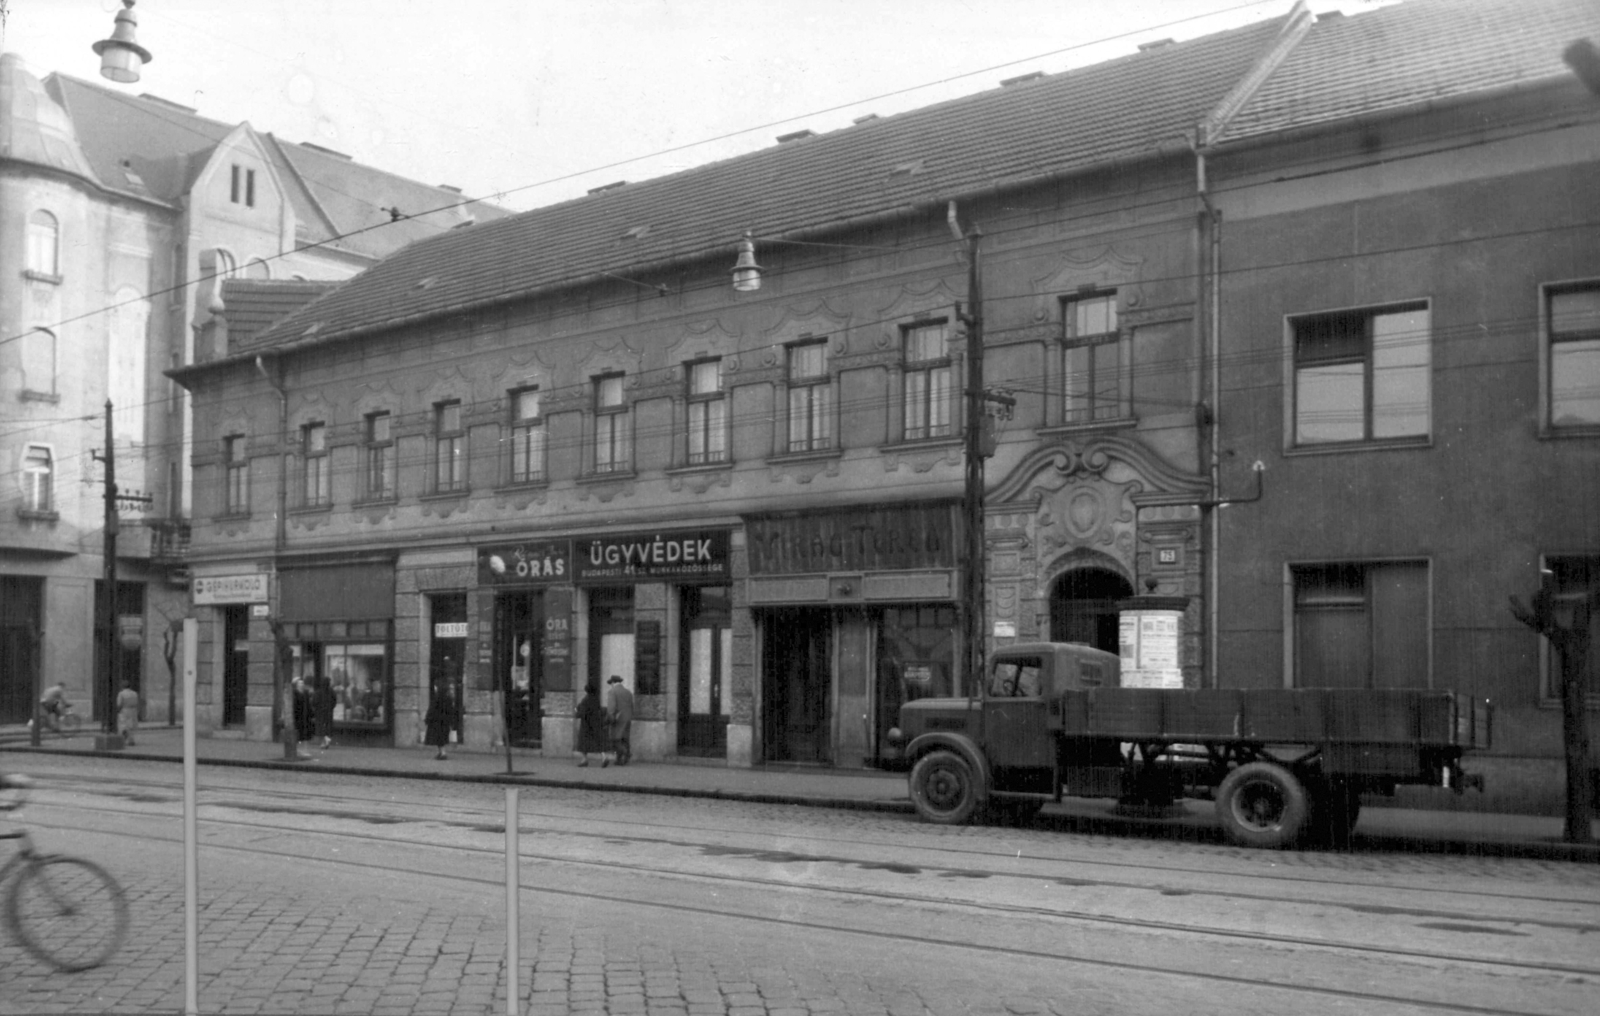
(962, 745)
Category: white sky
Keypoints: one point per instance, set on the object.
(539, 100)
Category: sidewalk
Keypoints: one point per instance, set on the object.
(1380, 828)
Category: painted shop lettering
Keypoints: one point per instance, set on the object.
(540, 568)
(657, 551)
(855, 542)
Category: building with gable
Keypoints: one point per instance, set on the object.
(120, 216)
(561, 445)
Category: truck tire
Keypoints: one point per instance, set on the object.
(943, 788)
(1262, 805)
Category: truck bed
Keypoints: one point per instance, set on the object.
(1274, 716)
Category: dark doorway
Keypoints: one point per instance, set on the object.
(1083, 608)
(519, 659)
(235, 664)
(705, 672)
(798, 679)
(20, 602)
(128, 640)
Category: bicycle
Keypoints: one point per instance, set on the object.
(66, 911)
(64, 723)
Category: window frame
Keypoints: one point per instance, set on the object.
(1549, 378)
(38, 483)
(315, 472)
(705, 415)
(380, 456)
(1298, 327)
(936, 395)
(43, 254)
(524, 448)
(236, 475)
(1105, 401)
(449, 447)
(611, 422)
(817, 409)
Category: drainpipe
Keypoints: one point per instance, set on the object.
(281, 693)
(1207, 413)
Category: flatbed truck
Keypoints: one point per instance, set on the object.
(1285, 766)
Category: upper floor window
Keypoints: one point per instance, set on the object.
(527, 437)
(610, 425)
(927, 381)
(314, 462)
(708, 413)
(1097, 383)
(1573, 578)
(449, 447)
(1361, 624)
(379, 450)
(1362, 375)
(38, 354)
(44, 244)
(236, 487)
(810, 398)
(242, 189)
(37, 486)
(1574, 342)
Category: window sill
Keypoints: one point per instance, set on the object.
(45, 277)
(701, 467)
(29, 395)
(615, 474)
(231, 517)
(312, 509)
(811, 456)
(1111, 423)
(1343, 447)
(376, 502)
(446, 495)
(920, 444)
(1578, 433)
(38, 515)
(516, 485)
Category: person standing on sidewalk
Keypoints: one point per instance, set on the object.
(592, 724)
(127, 712)
(322, 700)
(444, 715)
(619, 718)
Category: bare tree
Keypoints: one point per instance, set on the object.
(1571, 642)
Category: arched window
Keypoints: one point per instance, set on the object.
(39, 362)
(44, 244)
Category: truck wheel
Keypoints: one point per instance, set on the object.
(1262, 805)
(943, 788)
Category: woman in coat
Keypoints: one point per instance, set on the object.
(322, 700)
(444, 714)
(592, 724)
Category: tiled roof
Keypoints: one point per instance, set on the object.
(1123, 109)
(1413, 53)
(250, 305)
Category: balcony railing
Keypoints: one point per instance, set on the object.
(169, 542)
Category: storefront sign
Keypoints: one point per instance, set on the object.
(450, 630)
(218, 589)
(696, 555)
(538, 562)
(888, 538)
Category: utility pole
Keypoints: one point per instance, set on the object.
(972, 586)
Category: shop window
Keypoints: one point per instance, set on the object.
(236, 497)
(810, 398)
(314, 465)
(527, 437)
(449, 447)
(926, 381)
(379, 450)
(611, 637)
(708, 413)
(611, 425)
(353, 657)
(38, 480)
(1573, 341)
(44, 246)
(1362, 376)
(1361, 625)
(1573, 578)
(1096, 362)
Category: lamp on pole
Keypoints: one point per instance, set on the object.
(121, 56)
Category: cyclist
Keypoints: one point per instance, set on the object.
(52, 704)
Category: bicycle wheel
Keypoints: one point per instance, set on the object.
(70, 723)
(68, 912)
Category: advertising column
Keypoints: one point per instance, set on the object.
(1150, 631)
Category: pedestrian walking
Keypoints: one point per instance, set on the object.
(444, 715)
(323, 698)
(619, 719)
(127, 712)
(302, 710)
(52, 704)
(592, 724)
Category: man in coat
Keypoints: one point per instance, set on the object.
(619, 718)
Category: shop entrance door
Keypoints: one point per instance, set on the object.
(705, 672)
(797, 679)
(235, 663)
(519, 655)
